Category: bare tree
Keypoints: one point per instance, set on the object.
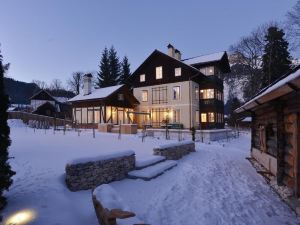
(293, 26)
(246, 61)
(56, 86)
(75, 82)
(41, 84)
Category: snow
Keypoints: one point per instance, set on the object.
(204, 58)
(247, 119)
(61, 99)
(277, 85)
(96, 93)
(214, 185)
(109, 198)
(117, 154)
(150, 160)
(153, 171)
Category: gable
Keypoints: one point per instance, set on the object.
(156, 59)
(43, 95)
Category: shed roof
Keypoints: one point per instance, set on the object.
(283, 86)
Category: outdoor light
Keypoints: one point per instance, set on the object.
(21, 218)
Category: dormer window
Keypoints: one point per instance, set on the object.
(142, 78)
(158, 72)
(177, 72)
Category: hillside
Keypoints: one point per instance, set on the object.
(18, 91)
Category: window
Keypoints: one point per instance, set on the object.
(207, 94)
(121, 97)
(159, 95)
(211, 117)
(97, 114)
(142, 78)
(176, 93)
(84, 115)
(145, 96)
(210, 70)
(90, 115)
(197, 117)
(176, 116)
(78, 115)
(177, 72)
(197, 93)
(203, 117)
(158, 72)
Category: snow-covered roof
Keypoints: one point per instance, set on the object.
(270, 91)
(204, 58)
(61, 99)
(247, 119)
(96, 93)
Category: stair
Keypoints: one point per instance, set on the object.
(152, 171)
(148, 161)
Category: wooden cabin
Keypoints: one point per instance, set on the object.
(275, 141)
(114, 105)
(43, 103)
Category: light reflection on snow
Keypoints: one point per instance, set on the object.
(21, 217)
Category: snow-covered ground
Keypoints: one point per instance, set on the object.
(215, 185)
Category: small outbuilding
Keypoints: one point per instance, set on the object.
(110, 105)
(275, 140)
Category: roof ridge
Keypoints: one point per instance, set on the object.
(203, 55)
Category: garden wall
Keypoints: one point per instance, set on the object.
(88, 173)
(175, 151)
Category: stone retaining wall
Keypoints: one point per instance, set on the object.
(90, 173)
(175, 151)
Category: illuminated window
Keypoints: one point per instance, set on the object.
(176, 93)
(211, 117)
(208, 70)
(177, 72)
(142, 78)
(145, 96)
(158, 72)
(207, 94)
(176, 116)
(203, 117)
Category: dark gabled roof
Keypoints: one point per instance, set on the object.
(43, 91)
(159, 52)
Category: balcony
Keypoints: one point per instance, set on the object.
(210, 103)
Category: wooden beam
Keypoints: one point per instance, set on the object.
(297, 155)
(292, 86)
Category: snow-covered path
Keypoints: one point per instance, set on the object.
(215, 185)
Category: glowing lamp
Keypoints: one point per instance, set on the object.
(21, 218)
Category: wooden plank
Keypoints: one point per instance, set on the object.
(296, 144)
(280, 143)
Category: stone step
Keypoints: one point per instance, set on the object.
(151, 172)
(148, 161)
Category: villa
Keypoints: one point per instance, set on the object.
(184, 93)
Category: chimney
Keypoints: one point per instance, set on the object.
(177, 54)
(87, 84)
(171, 50)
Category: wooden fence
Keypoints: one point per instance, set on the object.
(26, 117)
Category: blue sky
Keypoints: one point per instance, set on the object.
(51, 39)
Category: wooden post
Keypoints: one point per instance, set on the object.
(252, 130)
(280, 143)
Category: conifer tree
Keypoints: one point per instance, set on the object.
(276, 57)
(103, 76)
(114, 66)
(5, 170)
(125, 71)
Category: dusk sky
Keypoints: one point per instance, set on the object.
(51, 39)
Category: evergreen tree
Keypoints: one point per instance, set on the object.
(5, 170)
(114, 66)
(103, 79)
(276, 57)
(125, 71)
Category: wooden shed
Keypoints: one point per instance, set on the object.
(275, 140)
